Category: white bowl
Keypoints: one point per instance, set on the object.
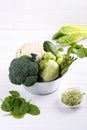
(69, 89)
(43, 88)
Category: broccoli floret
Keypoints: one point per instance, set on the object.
(30, 80)
(22, 69)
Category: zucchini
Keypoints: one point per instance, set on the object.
(49, 47)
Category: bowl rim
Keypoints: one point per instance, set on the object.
(49, 81)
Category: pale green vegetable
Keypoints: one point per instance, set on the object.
(68, 30)
(49, 69)
(69, 39)
(77, 49)
(72, 97)
(70, 34)
(49, 56)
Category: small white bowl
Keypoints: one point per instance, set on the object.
(69, 89)
(43, 88)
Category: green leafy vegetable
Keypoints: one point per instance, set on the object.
(6, 106)
(60, 49)
(16, 115)
(57, 35)
(18, 106)
(68, 30)
(14, 93)
(78, 49)
(34, 110)
(69, 34)
(69, 39)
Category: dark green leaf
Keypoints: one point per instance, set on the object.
(15, 102)
(16, 110)
(16, 115)
(8, 99)
(78, 49)
(14, 93)
(85, 50)
(18, 106)
(57, 35)
(34, 110)
(6, 106)
(24, 108)
(60, 49)
(81, 52)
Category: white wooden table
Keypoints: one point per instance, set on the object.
(53, 116)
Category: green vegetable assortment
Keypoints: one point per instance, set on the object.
(28, 69)
(18, 106)
(50, 64)
(53, 64)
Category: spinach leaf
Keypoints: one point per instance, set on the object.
(6, 104)
(34, 110)
(24, 108)
(15, 102)
(14, 93)
(61, 49)
(17, 115)
(18, 106)
(77, 49)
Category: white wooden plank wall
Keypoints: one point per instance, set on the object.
(41, 14)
